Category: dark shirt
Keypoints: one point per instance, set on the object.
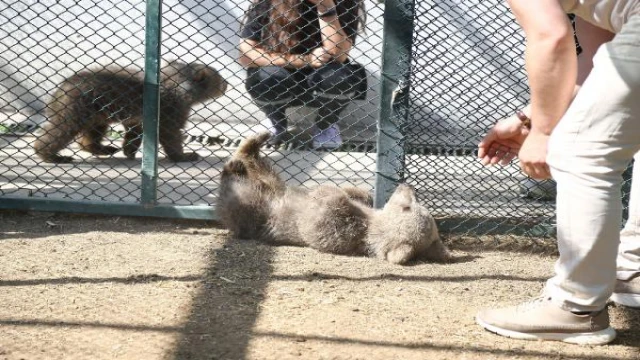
(257, 18)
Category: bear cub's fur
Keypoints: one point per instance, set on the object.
(254, 203)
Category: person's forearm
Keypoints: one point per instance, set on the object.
(552, 68)
(590, 38)
(252, 55)
(527, 109)
(334, 39)
(550, 59)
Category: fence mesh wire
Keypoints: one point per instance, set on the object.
(44, 44)
(467, 73)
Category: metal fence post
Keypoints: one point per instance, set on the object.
(151, 107)
(394, 96)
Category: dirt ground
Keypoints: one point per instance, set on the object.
(95, 287)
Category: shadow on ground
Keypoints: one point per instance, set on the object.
(222, 317)
(246, 300)
(30, 225)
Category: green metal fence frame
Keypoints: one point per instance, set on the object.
(148, 205)
(395, 86)
(394, 96)
(398, 30)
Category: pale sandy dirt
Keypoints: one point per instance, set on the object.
(92, 287)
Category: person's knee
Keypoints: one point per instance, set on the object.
(338, 79)
(269, 84)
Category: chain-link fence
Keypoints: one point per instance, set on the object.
(71, 101)
(73, 96)
(467, 73)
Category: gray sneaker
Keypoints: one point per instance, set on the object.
(328, 139)
(627, 292)
(540, 319)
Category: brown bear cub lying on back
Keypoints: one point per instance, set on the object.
(255, 203)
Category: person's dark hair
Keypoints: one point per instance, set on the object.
(281, 31)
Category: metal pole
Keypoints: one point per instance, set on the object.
(394, 96)
(151, 106)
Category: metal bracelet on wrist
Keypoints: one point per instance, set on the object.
(526, 121)
(330, 12)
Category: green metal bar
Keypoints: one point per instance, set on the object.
(487, 226)
(394, 96)
(199, 212)
(151, 99)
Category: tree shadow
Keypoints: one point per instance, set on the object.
(228, 305)
(31, 225)
(315, 276)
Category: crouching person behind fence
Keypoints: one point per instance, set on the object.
(297, 53)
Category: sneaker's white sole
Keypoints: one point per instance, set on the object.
(593, 338)
(630, 300)
(326, 146)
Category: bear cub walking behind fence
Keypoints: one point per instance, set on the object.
(88, 102)
(254, 203)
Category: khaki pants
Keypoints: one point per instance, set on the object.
(588, 151)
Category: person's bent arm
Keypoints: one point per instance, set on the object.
(590, 38)
(253, 55)
(550, 59)
(334, 39)
(505, 139)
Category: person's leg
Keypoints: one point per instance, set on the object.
(588, 151)
(588, 155)
(273, 89)
(627, 289)
(334, 87)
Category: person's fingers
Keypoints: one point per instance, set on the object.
(504, 156)
(544, 172)
(537, 172)
(494, 150)
(489, 138)
(495, 159)
(527, 170)
(492, 154)
(483, 154)
(497, 151)
(509, 155)
(507, 158)
(488, 156)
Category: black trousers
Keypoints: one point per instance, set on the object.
(329, 88)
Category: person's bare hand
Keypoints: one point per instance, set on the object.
(318, 57)
(503, 142)
(533, 156)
